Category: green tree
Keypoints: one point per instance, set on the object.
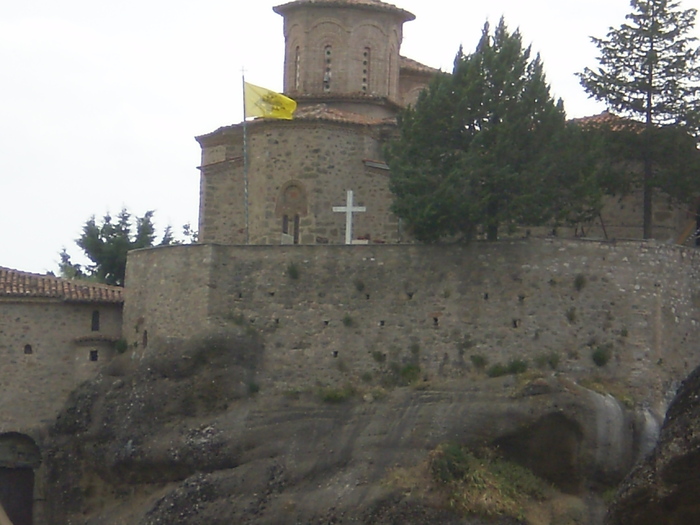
(650, 69)
(107, 244)
(483, 148)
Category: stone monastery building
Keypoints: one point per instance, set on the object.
(306, 180)
(344, 68)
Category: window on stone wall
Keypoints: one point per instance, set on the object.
(28, 350)
(144, 338)
(296, 229)
(94, 355)
(285, 224)
(96, 321)
(365, 69)
(328, 55)
(297, 69)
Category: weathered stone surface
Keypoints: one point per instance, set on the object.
(665, 488)
(184, 439)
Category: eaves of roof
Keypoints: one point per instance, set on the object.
(15, 284)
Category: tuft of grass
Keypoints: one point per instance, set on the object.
(601, 355)
(479, 361)
(121, 346)
(348, 321)
(337, 395)
(293, 271)
(579, 282)
(253, 388)
(484, 484)
(359, 285)
(414, 349)
(378, 356)
(550, 360)
(409, 373)
(514, 367)
(571, 314)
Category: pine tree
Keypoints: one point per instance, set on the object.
(650, 69)
(479, 150)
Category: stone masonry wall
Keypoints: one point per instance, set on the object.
(331, 43)
(45, 347)
(323, 159)
(335, 314)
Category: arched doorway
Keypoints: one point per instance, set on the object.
(19, 456)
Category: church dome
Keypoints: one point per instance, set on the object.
(371, 4)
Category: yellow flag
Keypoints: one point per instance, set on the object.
(261, 102)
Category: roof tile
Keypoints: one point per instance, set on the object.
(17, 284)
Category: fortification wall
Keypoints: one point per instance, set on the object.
(335, 314)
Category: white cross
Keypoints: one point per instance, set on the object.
(349, 209)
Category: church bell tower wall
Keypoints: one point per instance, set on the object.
(342, 48)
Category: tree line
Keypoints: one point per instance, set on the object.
(487, 148)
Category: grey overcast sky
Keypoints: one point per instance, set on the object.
(100, 101)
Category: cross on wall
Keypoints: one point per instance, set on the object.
(349, 209)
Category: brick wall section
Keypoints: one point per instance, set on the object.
(34, 386)
(437, 304)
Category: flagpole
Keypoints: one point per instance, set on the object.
(245, 164)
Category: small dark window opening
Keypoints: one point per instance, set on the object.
(28, 350)
(144, 339)
(296, 229)
(335, 353)
(96, 321)
(94, 355)
(285, 224)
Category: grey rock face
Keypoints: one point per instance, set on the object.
(186, 440)
(664, 489)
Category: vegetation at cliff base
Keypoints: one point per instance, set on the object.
(473, 483)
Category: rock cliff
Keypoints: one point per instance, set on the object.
(195, 437)
(664, 489)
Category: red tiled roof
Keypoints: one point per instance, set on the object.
(16, 284)
(607, 119)
(375, 4)
(414, 65)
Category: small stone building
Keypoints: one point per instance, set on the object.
(54, 334)
(344, 68)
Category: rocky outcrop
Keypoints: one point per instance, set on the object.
(197, 437)
(665, 488)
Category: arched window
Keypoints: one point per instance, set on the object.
(328, 56)
(96, 321)
(297, 69)
(366, 55)
(28, 350)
